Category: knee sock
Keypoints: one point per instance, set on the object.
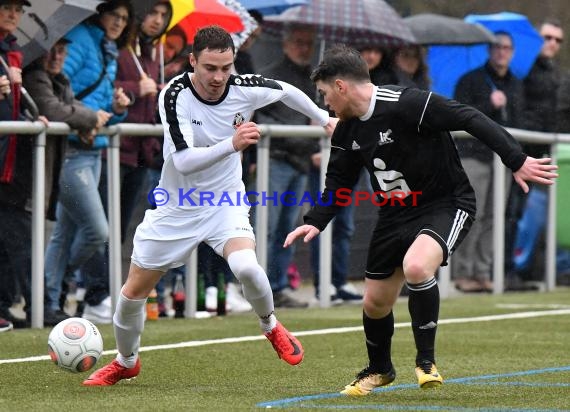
(255, 284)
(423, 304)
(379, 334)
(128, 323)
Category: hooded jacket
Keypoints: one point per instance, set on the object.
(87, 54)
(136, 150)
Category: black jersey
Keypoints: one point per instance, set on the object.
(404, 143)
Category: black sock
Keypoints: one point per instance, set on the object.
(379, 334)
(423, 304)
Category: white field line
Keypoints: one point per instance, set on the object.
(195, 343)
(531, 306)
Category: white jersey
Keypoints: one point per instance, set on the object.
(189, 121)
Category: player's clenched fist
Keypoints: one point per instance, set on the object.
(245, 135)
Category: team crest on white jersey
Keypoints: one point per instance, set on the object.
(238, 120)
(385, 137)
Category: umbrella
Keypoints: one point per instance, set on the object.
(448, 63)
(354, 22)
(192, 15)
(46, 21)
(249, 23)
(271, 7)
(431, 29)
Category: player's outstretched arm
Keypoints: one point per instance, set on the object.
(535, 170)
(299, 101)
(308, 231)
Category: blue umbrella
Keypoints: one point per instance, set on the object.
(271, 7)
(448, 63)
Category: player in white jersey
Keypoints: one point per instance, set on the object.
(206, 120)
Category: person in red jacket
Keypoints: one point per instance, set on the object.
(138, 75)
(15, 181)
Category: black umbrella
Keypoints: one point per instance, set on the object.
(432, 29)
(46, 21)
(355, 22)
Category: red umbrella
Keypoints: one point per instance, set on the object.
(192, 15)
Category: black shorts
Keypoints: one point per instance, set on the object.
(392, 239)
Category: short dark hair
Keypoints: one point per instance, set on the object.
(553, 21)
(341, 61)
(506, 34)
(214, 38)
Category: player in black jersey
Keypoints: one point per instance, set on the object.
(401, 136)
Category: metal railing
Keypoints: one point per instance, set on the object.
(113, 167)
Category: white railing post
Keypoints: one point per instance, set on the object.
(551, 243)
(325, 238)
(114, 216)
(498, 225)
(191, 285)
(262, 185)
(38, 228)
(444, 280)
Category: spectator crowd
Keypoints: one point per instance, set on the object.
(111, 68)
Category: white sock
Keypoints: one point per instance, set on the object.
(268, 323)
(256, 287)
(128, 323)
(127, 361)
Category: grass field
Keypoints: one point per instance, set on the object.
(496, 353)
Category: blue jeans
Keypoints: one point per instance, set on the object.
(81, 226)
(343, 229)
(281, 220)
(95, 271)
(133, 180)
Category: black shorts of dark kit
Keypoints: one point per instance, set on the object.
(392, 238)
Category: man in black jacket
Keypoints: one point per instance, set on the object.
(496, 92)
(541, 84)
(540, 90)
(15, 174)
(290, 157)
(401, 137)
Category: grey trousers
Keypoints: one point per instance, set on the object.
(474, 257)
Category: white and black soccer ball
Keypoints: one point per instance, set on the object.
(75, 344)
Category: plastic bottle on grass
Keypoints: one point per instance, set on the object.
(152, 306)
(179, 297)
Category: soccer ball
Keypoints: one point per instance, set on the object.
(75, 344)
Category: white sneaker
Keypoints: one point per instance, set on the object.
(80, 294)
(99, 314)
(235, 301)
(211, 299)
